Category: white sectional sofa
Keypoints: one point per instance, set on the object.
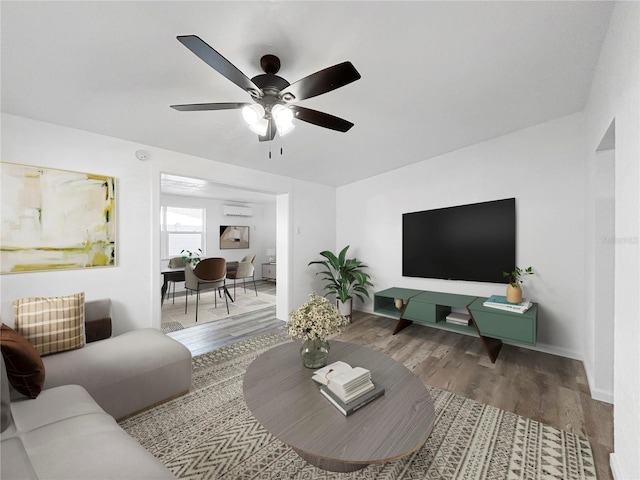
(68, 431)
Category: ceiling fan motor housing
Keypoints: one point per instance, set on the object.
(270, 64)
(271, 85)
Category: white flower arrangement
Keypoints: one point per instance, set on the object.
(316, 319)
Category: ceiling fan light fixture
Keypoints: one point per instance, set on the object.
(285, 129)
(252, 114)
(282, 115)
(260, 127)
(283, 118)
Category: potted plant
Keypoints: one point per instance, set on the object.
(345, 278)
(312, 323)
(189, 257)
(515, 279)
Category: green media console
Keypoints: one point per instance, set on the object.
(431, 308)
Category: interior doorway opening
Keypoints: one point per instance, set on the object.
(256, 212)
(605, 242)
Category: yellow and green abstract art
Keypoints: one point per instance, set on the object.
(55, 219)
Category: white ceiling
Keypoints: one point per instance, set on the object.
(436, 76)
(203, 188)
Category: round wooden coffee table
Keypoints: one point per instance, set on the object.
(280, 393)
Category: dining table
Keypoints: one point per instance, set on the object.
(170, 275)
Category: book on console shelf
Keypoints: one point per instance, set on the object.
(458, 318)
(350, 407)
(500, 302)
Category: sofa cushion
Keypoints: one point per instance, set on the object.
(53, 324)
(24, 367)
(64, 434)
(125, 373)
(15, 462)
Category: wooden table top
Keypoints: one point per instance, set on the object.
(280, 393)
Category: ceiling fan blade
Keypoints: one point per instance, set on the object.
(321, 119)
(321, 82)
(195, 107)
(220, 64)
(271, 132)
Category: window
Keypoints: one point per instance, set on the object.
(182, 229)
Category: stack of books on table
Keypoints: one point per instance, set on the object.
(458, 318)
(500, 302)
(347, 388)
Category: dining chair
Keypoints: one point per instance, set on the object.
(242, 270)
(208, 274)
(174, 262)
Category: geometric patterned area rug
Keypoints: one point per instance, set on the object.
(167, 327)
(210, 434)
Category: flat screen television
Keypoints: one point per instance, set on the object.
(475, 242)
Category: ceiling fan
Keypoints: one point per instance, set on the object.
(274, 98)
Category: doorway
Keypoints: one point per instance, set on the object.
(256, 212)
(604, 264)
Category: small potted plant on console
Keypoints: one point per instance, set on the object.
(515, 279)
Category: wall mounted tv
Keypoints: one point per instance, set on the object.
(475, 242)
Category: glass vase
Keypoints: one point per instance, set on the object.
(314, 353)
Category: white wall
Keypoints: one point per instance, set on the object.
(262, 226)
(134, 284)
(615, 95)
(128, 285)
(542, 167)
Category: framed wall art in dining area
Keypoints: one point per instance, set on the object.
(56, 219)
(234, 236)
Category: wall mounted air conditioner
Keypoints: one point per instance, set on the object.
(236, 211)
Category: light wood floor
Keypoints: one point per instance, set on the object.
(210, 336)
(536, 385)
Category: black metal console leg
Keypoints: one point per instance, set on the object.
(402, 324)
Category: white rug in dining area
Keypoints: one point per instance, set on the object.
(174, 318)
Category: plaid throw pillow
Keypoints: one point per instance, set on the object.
(52, 324)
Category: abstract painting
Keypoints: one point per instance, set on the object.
(233, 236)
(55, 219)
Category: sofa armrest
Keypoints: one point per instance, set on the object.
(97, 320)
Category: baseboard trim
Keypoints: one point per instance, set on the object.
(615, 469)
(550, 349)
(596, 394)
(539, 347)
(602, 395)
